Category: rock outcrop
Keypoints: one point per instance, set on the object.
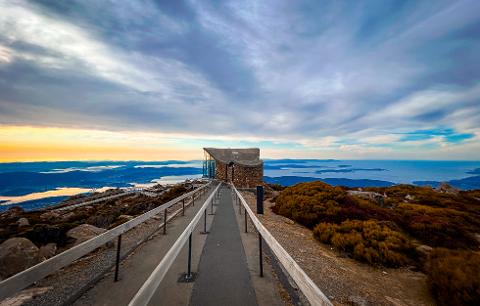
(23, 222)
(47, 251)
(369, 195)
(12, 212)
(446, 188)
(125, 218)
(17, 254)
(84, 232)
(424, 251)
(49, 216)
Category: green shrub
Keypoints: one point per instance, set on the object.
(369, 241)
(454, 277)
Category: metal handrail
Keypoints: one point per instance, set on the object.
(313, 294)
(98, 200)
(145, 293)
(35, 273)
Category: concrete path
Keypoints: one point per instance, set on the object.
(223, 276)
(135, 269)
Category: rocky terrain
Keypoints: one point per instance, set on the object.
(27, 238)
(411, 238)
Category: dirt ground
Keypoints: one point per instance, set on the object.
(343, 280)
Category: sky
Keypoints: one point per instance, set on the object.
(154, 80)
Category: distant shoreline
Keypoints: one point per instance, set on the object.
(468, 183)
(30, 178)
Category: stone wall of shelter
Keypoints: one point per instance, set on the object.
(242, 176)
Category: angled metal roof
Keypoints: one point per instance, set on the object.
(246, 157)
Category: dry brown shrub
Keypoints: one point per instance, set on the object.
(369, 241)
(309, 203)
(454, 276)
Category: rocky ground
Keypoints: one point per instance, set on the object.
(65, 285)
(344, 280)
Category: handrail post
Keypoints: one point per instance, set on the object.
(260, 212)
(213, 200)
(165, 221)
(211, 208)
(246, 228)
(260, 200)
(193, 200)
(260, 253)
(117, 263)
(189, 265)
(183, 207)
(204, 222)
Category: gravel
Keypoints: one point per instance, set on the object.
(69, 283)
(344, 280)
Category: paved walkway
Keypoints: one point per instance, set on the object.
(135, 269)
(223, 276)
(219, 259)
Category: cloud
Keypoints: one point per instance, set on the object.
(5, 55)
(363, 77)
(449, 135)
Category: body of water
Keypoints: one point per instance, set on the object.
(38, 184)
(396, 171)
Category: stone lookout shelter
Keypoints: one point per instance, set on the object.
(243, 167)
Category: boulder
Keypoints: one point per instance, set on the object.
(125, 217)
(16, 255)
(47, 251)
(49, 215)
(369, 195)
(84, 232)
(12, 212)
(446, 188)
(67, 216)
(15, 210)
(24, 297)
(23, 222)
(424, 251)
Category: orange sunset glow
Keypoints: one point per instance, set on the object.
(50, 144)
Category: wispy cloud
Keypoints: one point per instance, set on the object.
(365, 77)
(448, 134)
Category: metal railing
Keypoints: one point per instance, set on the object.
(35, 273)
(145, 293)
(312, 293)
(94, 201)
